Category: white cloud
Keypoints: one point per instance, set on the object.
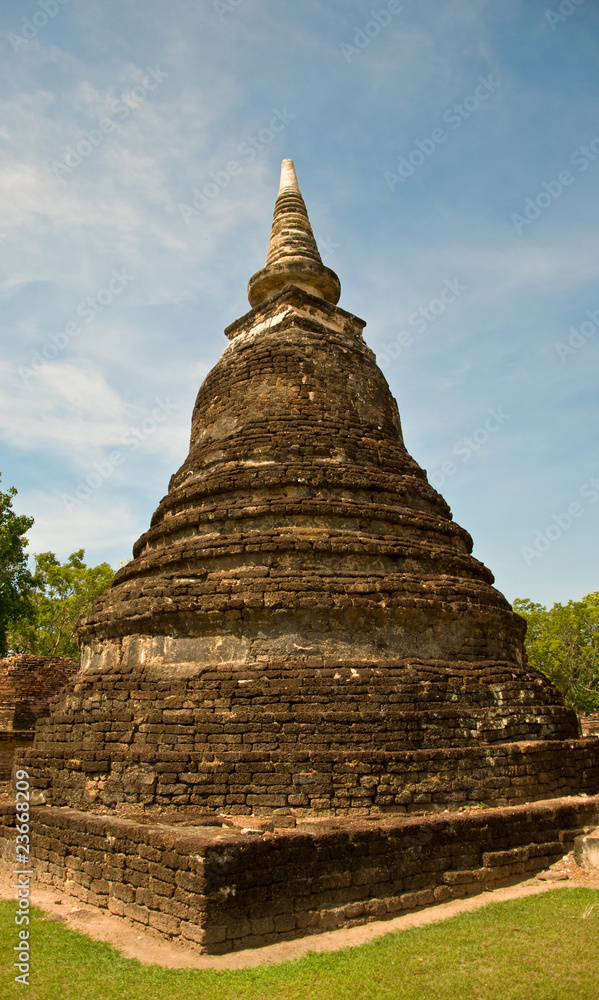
(100, 524)
(60, 238)
(72, 413)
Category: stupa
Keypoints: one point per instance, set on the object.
(303, 630)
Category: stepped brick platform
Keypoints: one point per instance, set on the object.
(322, 783)
(221, 889)
(303, 631)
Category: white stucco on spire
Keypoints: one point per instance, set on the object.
(288, 178)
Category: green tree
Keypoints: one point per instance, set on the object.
(15, 579)
(563, 643)
(62, 593)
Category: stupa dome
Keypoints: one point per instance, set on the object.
(303, 615)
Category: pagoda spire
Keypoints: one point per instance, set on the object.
(293, 257)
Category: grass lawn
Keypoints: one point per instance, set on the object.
(543, 947)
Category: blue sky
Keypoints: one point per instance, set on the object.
(448, 153)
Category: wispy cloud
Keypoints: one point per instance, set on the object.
(62, 234)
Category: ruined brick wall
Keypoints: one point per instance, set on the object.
(27, 683)
(12, 743)
(221, 890)
(302, 632)
(589, 725)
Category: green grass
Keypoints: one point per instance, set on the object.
(543, 947)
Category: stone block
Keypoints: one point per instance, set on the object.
(126, 893)
(285, 922)
(214, 933)
(457, 878)
(191, 931)
(410, 900)
(100, 887)
(161, 872)
(144, 897)
(328, 918)
(138, 913)
(369, 876)
(164, 922)
(175, 908)
(116, 906)
(375, 908)
(586, 851)
(160, 888)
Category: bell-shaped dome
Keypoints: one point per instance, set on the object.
(303, 602)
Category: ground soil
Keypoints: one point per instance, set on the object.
(134, 941)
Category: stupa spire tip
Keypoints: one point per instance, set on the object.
(293, 257)
(288, 176)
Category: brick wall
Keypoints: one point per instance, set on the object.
(589, 725)
(222, 890)
(27, 683)
(325, 783)
(10, 743)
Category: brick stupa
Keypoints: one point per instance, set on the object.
(303, 629)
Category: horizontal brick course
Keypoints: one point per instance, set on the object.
(340, 783)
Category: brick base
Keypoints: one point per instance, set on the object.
(221, 889)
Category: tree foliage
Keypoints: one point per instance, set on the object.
(62, 593)
(15, 579)
(563, 643)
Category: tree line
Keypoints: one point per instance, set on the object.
(562, 642)
(39, 608)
